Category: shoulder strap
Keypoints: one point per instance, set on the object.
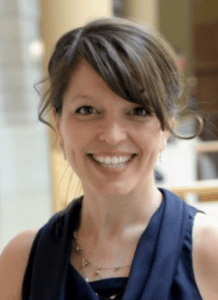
(158, 253)
(46, 271)
(169, 247)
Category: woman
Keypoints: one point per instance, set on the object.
(113, 96)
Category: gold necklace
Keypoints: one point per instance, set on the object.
(86, 262)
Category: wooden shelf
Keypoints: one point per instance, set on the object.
(202, 188)
(205, 67)
(207, 147)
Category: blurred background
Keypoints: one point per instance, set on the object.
(35, 180)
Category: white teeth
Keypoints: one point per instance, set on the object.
(99, 158)
(115, 160)
(122, 159)
(112, 161)
(107, 161)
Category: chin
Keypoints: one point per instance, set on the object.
(114, 190)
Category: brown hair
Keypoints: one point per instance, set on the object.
(137, 65)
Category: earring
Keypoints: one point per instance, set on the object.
(64, 154)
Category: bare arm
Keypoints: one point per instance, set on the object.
(13, 261)
(205, 256)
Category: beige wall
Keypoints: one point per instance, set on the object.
(144, 12)
(205, 10)
(60, 16)
(176, 26)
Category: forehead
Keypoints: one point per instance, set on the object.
(85, 79)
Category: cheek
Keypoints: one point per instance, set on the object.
(76, 137)
(150, 140)
(73, 140)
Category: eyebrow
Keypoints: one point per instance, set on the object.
(81, 96)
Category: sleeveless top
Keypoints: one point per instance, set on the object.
(161, 269)
(104, 288)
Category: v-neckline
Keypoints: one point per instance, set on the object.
(142, 260)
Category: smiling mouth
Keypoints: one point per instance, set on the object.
(113, 162)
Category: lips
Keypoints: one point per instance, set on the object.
(112, 161)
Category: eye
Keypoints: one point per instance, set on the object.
(139, 111)
(86, 110)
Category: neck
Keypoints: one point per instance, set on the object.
(118, 216)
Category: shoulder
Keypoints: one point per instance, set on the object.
(13, 262)
(205, 255)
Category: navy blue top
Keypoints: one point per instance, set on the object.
(161, 269)
(104, 288)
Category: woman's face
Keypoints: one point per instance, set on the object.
(111, 144)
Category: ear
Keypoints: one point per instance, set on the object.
(166, 135)
(57, 126)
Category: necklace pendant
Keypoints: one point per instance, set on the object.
(98, 271)
(117, 268)
(79, 249)
(85, 262)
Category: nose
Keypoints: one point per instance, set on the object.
(112, 131)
